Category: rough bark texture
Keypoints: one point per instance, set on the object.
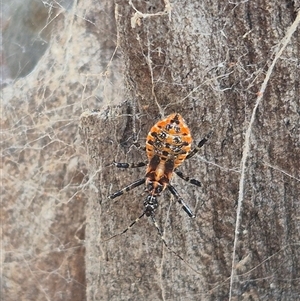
(198, 58)
(43, 196)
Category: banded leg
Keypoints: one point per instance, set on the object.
(199, 145)
(127, 188)
(187, 179)
(135, 221)
(180, 200)
(129, 165)
(132, 165)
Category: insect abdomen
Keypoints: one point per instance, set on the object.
(169, 139)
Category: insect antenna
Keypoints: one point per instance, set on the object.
(130, 226)
(159, 233)
(167, 246)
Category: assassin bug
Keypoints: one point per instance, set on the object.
(168, 144)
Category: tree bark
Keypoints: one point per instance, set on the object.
(122, 66)
(209, 62)
(44, 175)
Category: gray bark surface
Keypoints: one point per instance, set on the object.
(43, 164)
(200, 59)
(112, 69)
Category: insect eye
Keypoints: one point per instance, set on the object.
(150, 204)
(151, 201)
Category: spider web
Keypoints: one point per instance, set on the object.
(60, 61)
(49, 77)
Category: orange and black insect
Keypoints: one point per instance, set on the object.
(168, 144)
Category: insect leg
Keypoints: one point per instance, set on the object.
(127, 188)
(180, 200)
(187, 179)
(129, 165)
(199, 145)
